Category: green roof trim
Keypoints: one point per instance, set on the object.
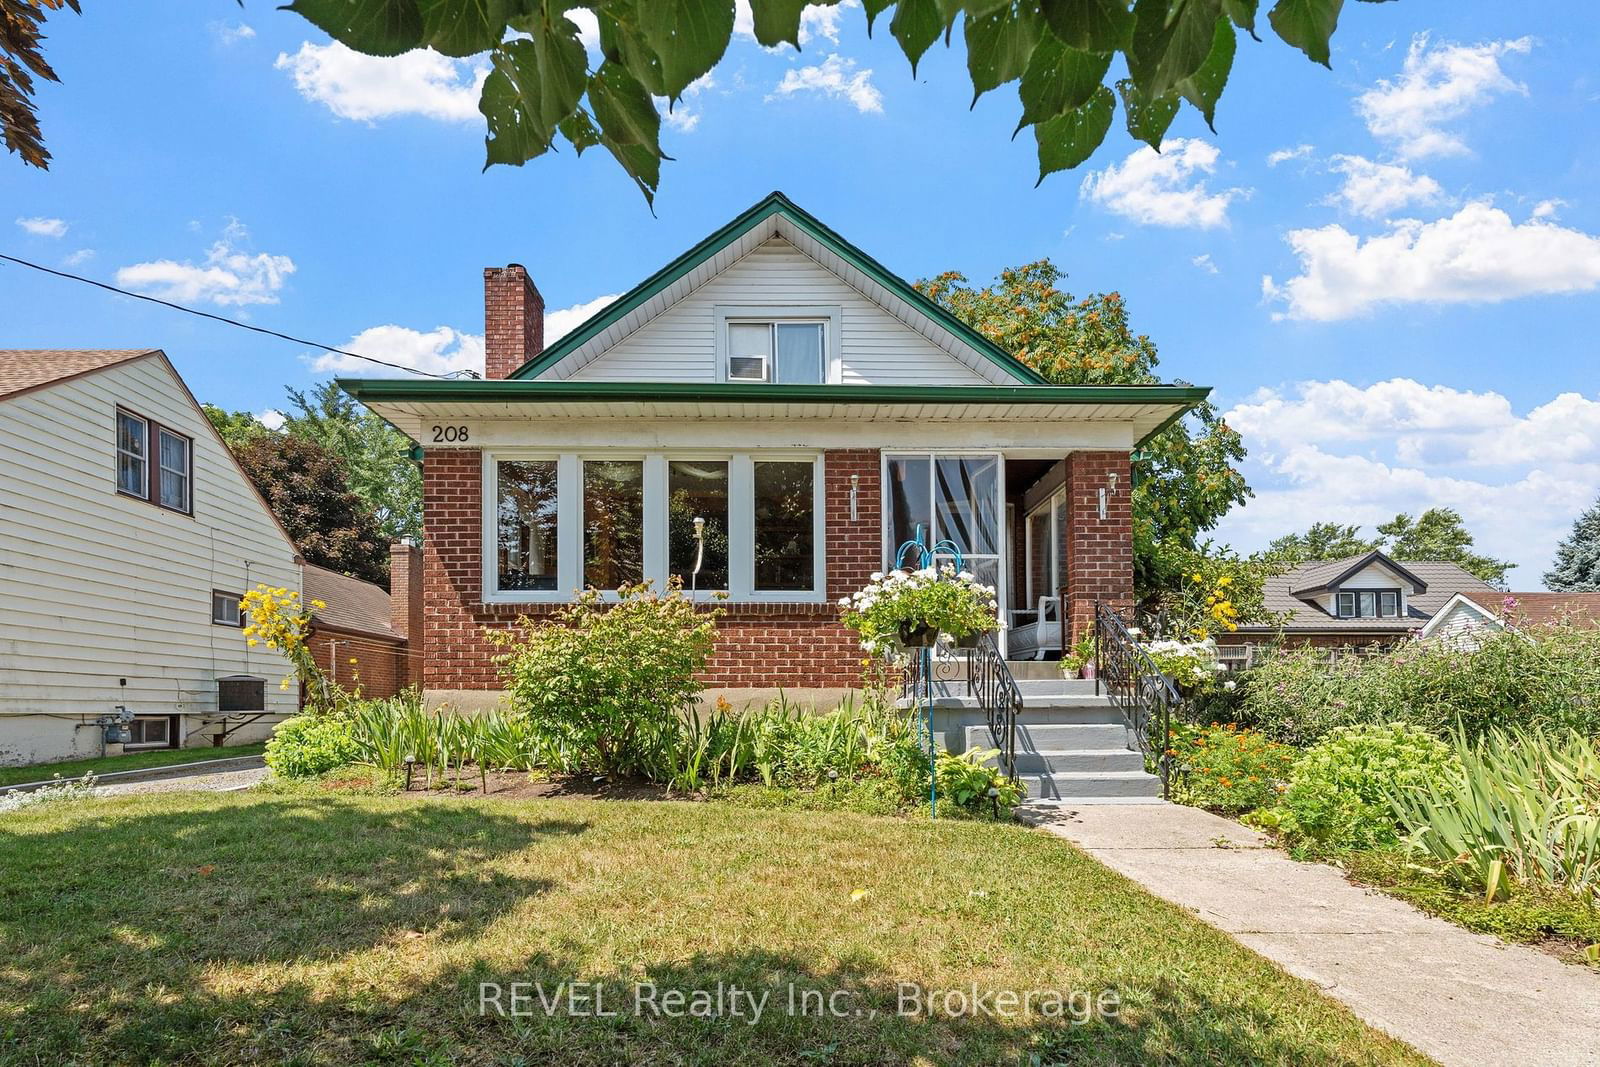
(511, 391)
(774, 203)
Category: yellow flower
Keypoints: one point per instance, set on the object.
(252, 642)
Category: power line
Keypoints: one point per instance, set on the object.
(230, 322)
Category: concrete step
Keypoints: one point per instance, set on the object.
(956, 697)
(1079, 761)
(1077, 784)
(1075, 687)
(1072, 737)
(1034, 668)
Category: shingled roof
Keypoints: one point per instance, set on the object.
(26, 369)
(1443, 580)
(351, 604)
(1539, 609)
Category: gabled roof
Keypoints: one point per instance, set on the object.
(1442, 581)
(774, 215)
(23, 370)
(351, 604)
(1538, 609)
(1325, 577)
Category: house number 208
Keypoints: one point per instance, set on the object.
(449, 433)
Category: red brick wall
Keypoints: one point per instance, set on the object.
(759, 645)
(1098, 563)
(405, 603)
(379, 668)
(513, 320)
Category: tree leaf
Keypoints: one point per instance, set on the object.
(1307, 24)
(535, 84)
(999, 45)
(1204, 87)
(579, 129)
(373, 27)
(630, 126)
(1147, 117)
(777, 21)
(642, 164)
(1092, 25)
(874, 8)
(1171, 39)
(1243, 14)
(687, 36)
(464, 27)
(916, 25)
(1071, 137)
(621, 42)
(1058, 78)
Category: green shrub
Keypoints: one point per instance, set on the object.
(308, 745)
(1525, 806)
(603, 682)
(1225, 768)
(1550, 680)
(1339, 790)
(966, 781)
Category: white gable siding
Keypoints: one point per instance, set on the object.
(680, 345)
(1373, 577)
(1459, 625)
(97, 587)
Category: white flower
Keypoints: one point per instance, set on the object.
(1230, 685)
(877, 576)
(844, 602)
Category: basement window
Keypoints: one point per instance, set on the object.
(152, 731)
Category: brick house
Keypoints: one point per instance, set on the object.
(360, 636)
(812, 408)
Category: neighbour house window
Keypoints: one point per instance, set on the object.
(225, 609)
(1369, 604)
(613, 523)
(790, 353)
(698, 489)
(173, 491)
(526, 518)
(150, 731)
(133, 463)
(785, 527)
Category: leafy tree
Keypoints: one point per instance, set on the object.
(308, 489)
(1324, 540)
(1059, 52)
(236, 428)
(1439, 534)
(1186, 477)
(376, 456)
(1577, 568)
(22, 60)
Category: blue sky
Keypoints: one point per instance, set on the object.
(1390, 272)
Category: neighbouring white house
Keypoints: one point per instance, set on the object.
(1468, 615)
(128, 535)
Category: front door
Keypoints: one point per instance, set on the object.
(951, 497)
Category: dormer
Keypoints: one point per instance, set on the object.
(1372, 586)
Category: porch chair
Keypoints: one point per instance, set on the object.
(1035, 631)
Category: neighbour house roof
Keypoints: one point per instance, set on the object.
(1538, 609)
(351, 604)
(1290, 594)
(25, 369)
(776, 215)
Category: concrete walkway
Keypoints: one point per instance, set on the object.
(1460, 997)
(216, 782)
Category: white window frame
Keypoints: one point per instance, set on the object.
(222, 595)
(1053, 575)
(831, 316)
(144, 460)
(188, 470)
(142, 745)
(569, 522)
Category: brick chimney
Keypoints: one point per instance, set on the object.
(405, 603)
(513, 320)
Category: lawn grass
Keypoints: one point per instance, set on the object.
(133, 761)
(318, 927)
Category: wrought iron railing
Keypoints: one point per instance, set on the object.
(1137, 688)
(990, 681)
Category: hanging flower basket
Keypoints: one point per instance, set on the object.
(911, 608)
(917, 634)
(969, 640)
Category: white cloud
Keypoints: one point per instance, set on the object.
(684, 117)
(1477, 255)
(1284, 155)
(442, 350)
(836, 77)
(1437, 85)
(367, 88)
(1379, 189)
(233, 34)
(816, 20)
(588, 27)
(80, 257)
(1163, 188)
(229, 274)
(563, 321)
(271, 418)
(437, 351)
(43, 227)
(1203, 261)
(1329, 450)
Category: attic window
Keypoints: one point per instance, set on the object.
(1369, 604)
(788, 352)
